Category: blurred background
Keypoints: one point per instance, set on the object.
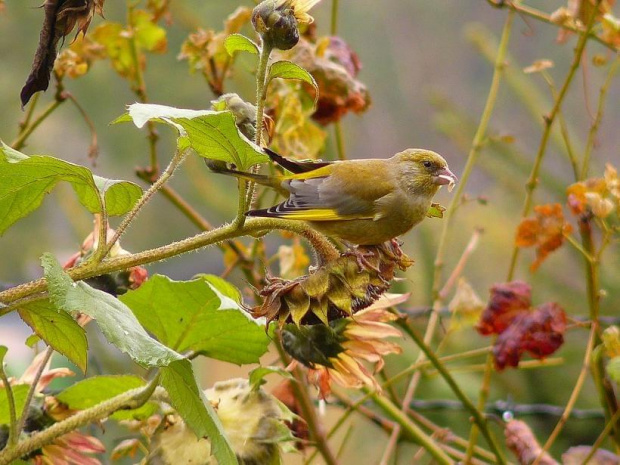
(425, 66)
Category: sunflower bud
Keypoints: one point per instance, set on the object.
(335, 290)
(275, 22)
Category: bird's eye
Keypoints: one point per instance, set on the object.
(428, 164)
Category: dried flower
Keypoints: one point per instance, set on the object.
(598, 196)
(335, 290)
(337, 352)
(71, 448)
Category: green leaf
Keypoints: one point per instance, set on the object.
(20, 392)
(613, 369)
(92, 391)
(58, 329)
(257, 375)
(24, 182)
(288, 70)
(202, 315)
(117, 323)
(211, 134)
(240, 43)
(179, 381)
(435, 211)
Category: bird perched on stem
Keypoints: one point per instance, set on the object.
(363, 202)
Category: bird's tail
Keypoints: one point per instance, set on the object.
(270, 181)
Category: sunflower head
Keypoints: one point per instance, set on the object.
(277, 21)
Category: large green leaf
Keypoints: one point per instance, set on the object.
(92, 391)
(211, 134)
(20, 392)
(191, 403)
(24, 181)
(58, 329)
(202, 315)
(118, 324)
(120, 327)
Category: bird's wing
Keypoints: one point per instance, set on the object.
(322, 196)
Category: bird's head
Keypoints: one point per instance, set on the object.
(423, 172)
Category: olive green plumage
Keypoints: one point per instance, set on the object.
(364, 202)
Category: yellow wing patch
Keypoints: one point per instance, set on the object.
(315, 214)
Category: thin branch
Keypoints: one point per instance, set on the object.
(532, 181)
(573, 397)
(33, 389)
(12, 440)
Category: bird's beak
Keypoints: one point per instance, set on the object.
(445, 176)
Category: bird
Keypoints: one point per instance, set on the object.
(360, 202)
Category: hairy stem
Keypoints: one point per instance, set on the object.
(11, 296)
(128, 400)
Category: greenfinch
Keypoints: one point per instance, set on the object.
(363, 202)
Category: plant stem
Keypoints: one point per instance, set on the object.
(545, 18)
(479, 419)
(597, 120)
(33, 388)
(12, 440)
(123, 262)
(333, 30)
(128, 400)
(308, 412)
(412, 429)
(18, 143)
(177, 159)
(574, 395)
(532, 181)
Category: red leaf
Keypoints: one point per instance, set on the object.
(521, 328)
(506, 302)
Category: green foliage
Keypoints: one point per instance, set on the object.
(24, 181)
(58, 329)
(20, 392)
(240, 43)
(118, 324)
(179, 381)
(202, 315)
(257, 375)
(288, 70)
(92, 391)
(211, 134)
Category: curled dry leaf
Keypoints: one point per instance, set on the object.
(334, 66)
(465, 307)
(61, 17)
(545, 231)
(522, 442)
(521, 328)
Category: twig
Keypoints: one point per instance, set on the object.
(94, 146)
(18, 143)
(177, 159)
(308, 411)
(599, 441)
(12, 440)
(33, 388)
(532, 181)
(458, 269)
(573, 397)
(475, 412)
(545, 18)
(130, 400)
(597, 119)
